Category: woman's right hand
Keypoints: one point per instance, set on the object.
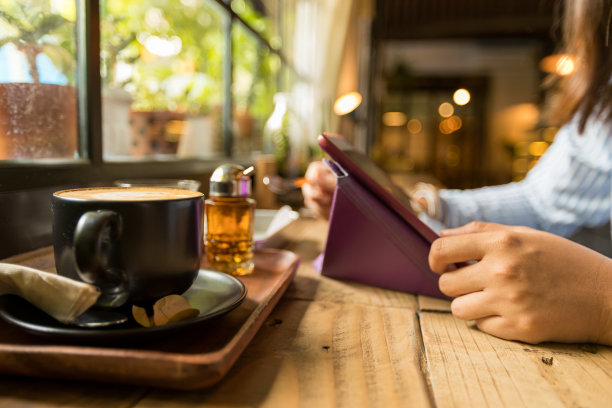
(319, 189)
(526, 285)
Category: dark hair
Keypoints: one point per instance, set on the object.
(586, 35)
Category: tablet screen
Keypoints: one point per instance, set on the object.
(375, 179)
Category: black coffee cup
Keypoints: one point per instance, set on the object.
(137, 244)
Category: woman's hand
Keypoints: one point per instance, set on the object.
(319, 188)
(526, 284)
(427, 197)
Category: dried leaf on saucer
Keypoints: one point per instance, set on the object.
(141, 316)
(169, 309)
(172, 308)
(184, 314)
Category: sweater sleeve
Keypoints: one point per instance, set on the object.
(568, 188)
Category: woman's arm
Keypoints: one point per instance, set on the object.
(568, 188)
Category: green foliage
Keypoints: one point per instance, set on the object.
(163, 83)
(116, 37)
(255, 66)
(34, 27)
(255, 69)
(252, 17)
(191, 81)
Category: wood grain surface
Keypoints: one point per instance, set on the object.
(330, 343)
(471, 368)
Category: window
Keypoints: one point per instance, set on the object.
(254, 76)
(162, 76)
(99, 90)
(193, 79)
(37, 66)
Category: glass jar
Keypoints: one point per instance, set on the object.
(230, 220)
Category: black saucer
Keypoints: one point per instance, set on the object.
(212, 293)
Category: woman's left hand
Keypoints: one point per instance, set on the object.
(526, 284)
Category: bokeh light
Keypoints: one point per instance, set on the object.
(446, 109)
(414, 126)
(560, 64)
(461, 97)
(537, 148)
(565, 65)
(450, 125)
(347, 103)
(394, 118)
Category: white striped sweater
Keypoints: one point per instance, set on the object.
(568, 188)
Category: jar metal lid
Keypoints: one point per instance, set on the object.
(231, 180)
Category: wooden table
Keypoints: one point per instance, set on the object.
(331, 343)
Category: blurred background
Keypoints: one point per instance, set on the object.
(94, 91)
(455, 88)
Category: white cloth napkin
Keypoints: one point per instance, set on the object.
(283, 217)
(62, 298)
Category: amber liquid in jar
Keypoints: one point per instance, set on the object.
(229, 234)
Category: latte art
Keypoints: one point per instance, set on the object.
(128, 194)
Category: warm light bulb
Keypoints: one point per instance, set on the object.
(446, 109)
(560, 64)
(461, 97)
(537, 148)
(450, 125)
(414, 126)
(394, 118)
(565, 65)
(347, 103)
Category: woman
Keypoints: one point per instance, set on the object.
(528, 284)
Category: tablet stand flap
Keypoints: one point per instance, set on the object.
(368, 243)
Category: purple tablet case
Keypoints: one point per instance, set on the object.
(368, 242)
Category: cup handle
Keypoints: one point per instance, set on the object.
(94, 238)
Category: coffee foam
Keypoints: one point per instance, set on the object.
(128, 194)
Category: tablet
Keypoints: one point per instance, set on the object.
(375, 180)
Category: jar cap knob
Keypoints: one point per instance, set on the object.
(231, 180)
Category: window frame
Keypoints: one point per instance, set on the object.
(91, 167)
(26, 186)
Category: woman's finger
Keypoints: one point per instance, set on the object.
(464, 280)
(320, 210)
(474, 306)
(313, 193)
(453, 249)
(319, 175)
(496, 326)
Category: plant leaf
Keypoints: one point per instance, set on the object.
(9, 40)
(12, 21)
(49, 24)
(60, 57)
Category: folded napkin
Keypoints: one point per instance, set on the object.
(283, 217)
(62, 298)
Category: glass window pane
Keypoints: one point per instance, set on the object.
(38, 98)
(255, 70)
(162, 67)
(258, 15)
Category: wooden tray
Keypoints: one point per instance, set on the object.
(192, 359)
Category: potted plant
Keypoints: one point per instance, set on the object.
(37, 119)
(176, 89)
(171, 63)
